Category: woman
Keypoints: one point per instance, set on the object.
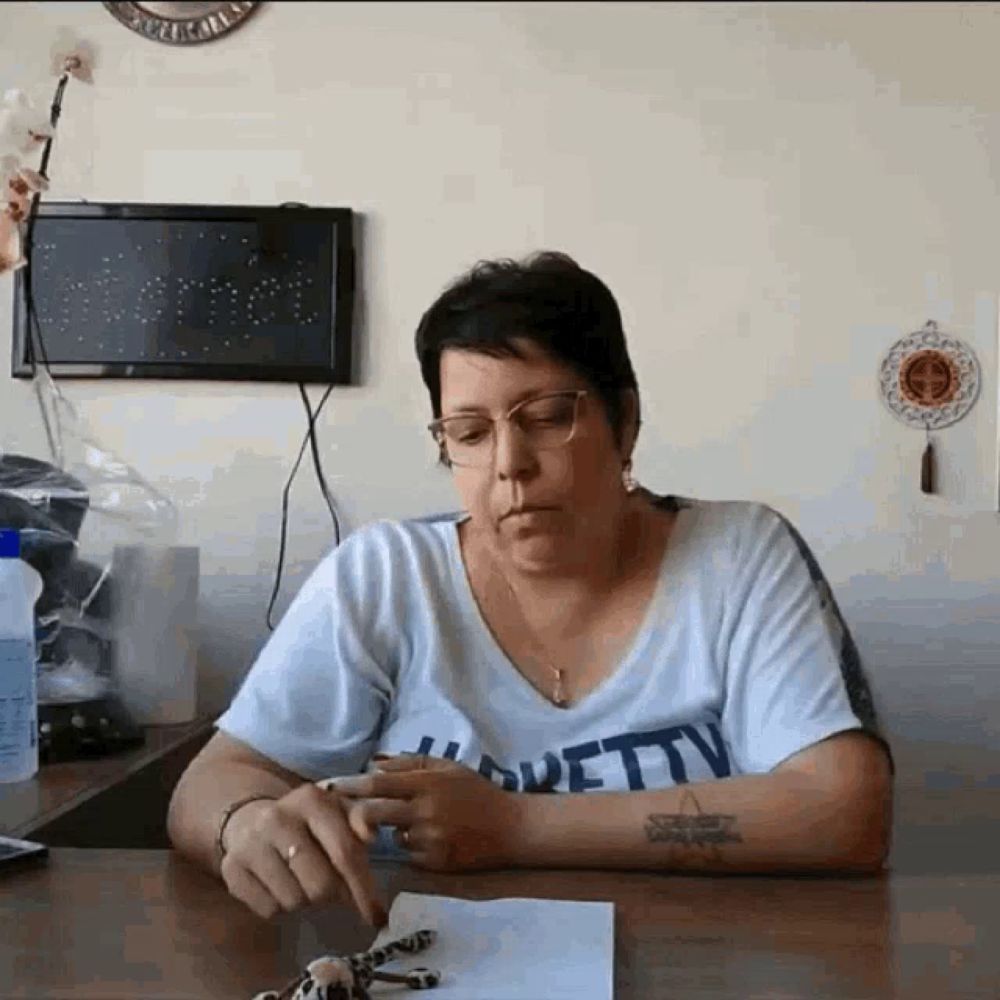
(677, 669)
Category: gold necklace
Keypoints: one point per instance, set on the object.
(557, 697)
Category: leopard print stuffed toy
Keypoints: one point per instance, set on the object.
(348, 977)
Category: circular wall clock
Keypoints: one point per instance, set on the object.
(181, 23)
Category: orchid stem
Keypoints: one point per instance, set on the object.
(54, 112)
(54, 439)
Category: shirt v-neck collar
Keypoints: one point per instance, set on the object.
(500, 663)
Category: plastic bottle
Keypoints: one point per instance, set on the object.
(20, 588)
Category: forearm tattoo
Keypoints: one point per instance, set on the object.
(692, 828)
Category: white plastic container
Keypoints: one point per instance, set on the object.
(20, 588)
(155, 621)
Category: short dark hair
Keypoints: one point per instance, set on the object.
(546, 298)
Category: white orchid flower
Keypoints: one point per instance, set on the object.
(16, 99)
(73, 55)
(9, 166)
(36, 182)
(20, 190)
(23, 128)
(11, 255)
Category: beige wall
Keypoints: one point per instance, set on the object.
(774, 192)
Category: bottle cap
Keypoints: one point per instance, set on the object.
(10, 543)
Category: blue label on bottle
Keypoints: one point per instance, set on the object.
(10, 543)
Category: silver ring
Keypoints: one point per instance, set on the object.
(291, 852)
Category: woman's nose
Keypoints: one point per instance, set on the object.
(514, 456)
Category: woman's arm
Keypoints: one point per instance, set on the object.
(827, 808)
(224, 771)
(296, 850)
(824, 809)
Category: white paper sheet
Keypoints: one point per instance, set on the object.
(506, 949)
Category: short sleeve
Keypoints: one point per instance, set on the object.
(793, 673)
(315, 697)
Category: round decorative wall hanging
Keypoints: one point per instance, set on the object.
(929, 380)
(181, 23)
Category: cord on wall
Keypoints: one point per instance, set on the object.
(310, 439)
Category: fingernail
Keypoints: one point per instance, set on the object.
(349, 784)
(329, 784)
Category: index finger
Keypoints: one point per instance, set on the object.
(349, 856)
(379, 784)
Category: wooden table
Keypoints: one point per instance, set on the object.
(114, 801)
(111, 925)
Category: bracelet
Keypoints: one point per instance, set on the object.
(227, 815)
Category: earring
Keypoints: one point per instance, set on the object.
(627, 481)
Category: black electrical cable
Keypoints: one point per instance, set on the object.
(309, 438)
(317, 463)
(284, 533)
(32, 313)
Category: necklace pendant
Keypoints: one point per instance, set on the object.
(557, 695)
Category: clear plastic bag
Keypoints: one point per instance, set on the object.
(73, 512)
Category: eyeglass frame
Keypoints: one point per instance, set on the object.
(435, 426)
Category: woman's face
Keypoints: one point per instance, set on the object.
(579, 484)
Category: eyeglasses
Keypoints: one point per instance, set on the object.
(548, 421)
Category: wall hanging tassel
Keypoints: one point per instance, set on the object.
(927, 470)
(929, 379)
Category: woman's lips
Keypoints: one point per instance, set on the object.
(529, 511)
(532, 520)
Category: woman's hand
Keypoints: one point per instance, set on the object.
(329, 860)
(449, 817)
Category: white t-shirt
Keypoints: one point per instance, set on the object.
(742, 660)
